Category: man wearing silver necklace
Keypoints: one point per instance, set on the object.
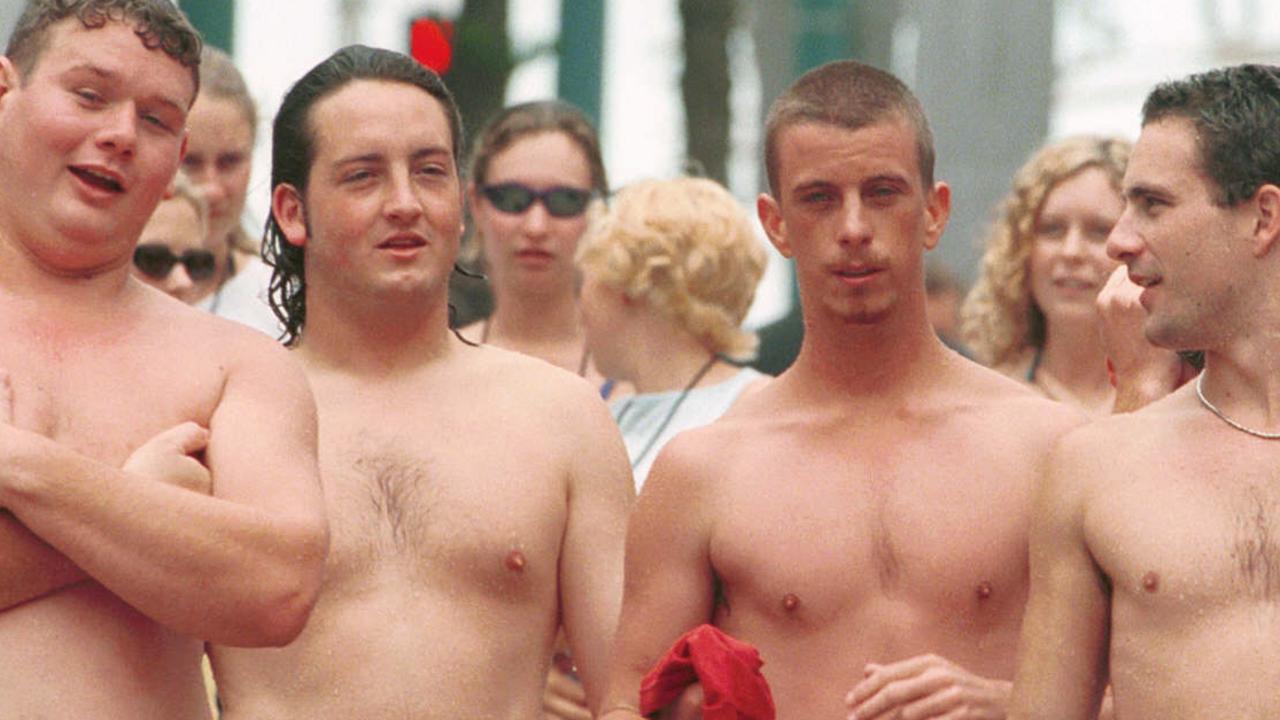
(1155, 556)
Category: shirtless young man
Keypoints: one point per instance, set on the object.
(477, 496)
(1155, 558)
(158, 478)
(862, 519)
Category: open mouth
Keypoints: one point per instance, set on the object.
(98, 180)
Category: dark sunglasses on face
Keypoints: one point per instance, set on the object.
(157, 261)
(514, 198)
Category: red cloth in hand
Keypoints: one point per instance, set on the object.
(728, 669)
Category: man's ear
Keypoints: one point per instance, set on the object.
(1266, 228)
(290, 214)
(938, 208)
(9, 77)
(774, 226)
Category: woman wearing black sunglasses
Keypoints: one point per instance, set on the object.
(173, 253)
(535, 172)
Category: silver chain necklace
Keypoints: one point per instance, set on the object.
(1214, 409)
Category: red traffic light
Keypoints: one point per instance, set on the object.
(431, 43)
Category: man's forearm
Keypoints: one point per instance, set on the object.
(29, 567)
(204, 566)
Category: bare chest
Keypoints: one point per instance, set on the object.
(819, 543)
(416, 499)
(105, 398)
(1181, 536)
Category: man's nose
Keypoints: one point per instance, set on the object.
(119, 132)
(855, 228)
(403, 204)
(1122, 242)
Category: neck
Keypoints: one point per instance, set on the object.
(376, 337)
(667, 363)
(1073, 365)
(886, 359)
(545, 318)
(24, 275)
(1244, 383)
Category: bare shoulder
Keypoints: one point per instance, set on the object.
(1109, 443)
(190, 329)
(1008, 405)
(702, 457)
(531, 380)
(546, 399)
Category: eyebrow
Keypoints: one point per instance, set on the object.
(419, 154)
(888, 177)
(1140, 191)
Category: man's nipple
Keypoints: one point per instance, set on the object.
(790, 602)
(1151, 581)
(984, 590)
(515, 561)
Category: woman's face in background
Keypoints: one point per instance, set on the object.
(531, 249)
(1068, 264)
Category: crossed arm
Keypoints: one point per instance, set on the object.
(238, 564)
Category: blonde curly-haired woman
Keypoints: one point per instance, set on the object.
(669, 272)
(1032, 313)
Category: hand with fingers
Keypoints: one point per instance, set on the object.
(564, 698)
(686, 707)
(172, 456)
(926, 686)
(1141, 372)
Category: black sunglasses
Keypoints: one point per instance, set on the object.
(157, 261)
(561, 202)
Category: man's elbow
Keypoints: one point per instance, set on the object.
(281, 610)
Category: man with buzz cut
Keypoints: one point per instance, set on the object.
(158, 477)
(862, 519)
(1155, 558)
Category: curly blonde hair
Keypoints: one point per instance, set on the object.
(688, 249)
(999, 320)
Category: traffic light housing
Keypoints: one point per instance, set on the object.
(431, 43)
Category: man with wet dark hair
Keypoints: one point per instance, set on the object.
(1155, 561)
(477, 497)
(158, 479)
